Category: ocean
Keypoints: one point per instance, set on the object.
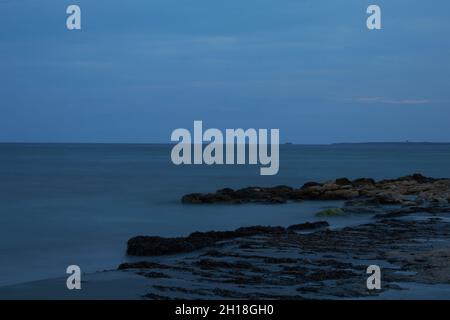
(63, 204)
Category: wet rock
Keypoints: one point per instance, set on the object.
(197, 198)
(363, 182)
(385, 192)
(290, 265)
(369, 205)
(331, 212)
(413, 210)
(141, 265)
(388, 198)
(417, 177)
(403, 190)
(280, 260)
(279, 194)
(154, 275)
(323, 275)
(339, 194)
(311, 184)
(216, 264)
(309, 226)
(155, 246)
(343, 182)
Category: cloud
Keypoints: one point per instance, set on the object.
(381, 100)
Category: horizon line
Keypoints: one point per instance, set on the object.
(281, 143)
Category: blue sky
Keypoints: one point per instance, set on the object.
(139, 69)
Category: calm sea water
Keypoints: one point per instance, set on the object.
(63, 204)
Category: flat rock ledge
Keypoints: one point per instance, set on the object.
(156, 246)
(280, 263)
(413, 189)
(409, 238)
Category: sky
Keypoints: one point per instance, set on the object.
(140, 69)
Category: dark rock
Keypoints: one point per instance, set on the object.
(226, 191)
(197, 198)
(141, 265)
(279, 194)
(343, 182)
(215, 253)
(331, 212)
(367, 202)
(412, 210)
(321, 264)
(323, 275)
(311, 184)
(417, 177)
(363, 182)
(154, 275)
(393, 191)
(388, 198)
(309, 226)
(155, 246)
(192, 198)
(279, 260)
(339, 194)
(216, 264)
(420, 178)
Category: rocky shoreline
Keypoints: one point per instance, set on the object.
(408, 237)
(415, 189)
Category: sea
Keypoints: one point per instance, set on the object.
(78, 204)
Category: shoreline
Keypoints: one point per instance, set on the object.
(309, 260)
(408, 236)
(301, 262)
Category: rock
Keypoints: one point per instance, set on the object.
(276, 200)
(364, 202)
(368, 205)
(339, 194)
(399, 191)
(141, 265)
(331, 212)
(196, 198)
(316, 265)
(323, 275)
(310, 193)
(274, 260)
(311, 184)
(309, 226)
(363, 182)
(226, 191)
(273, 195)
(421, 179)
(412, 210)
(217, 264)
(416, 177)
(343, 182)
(328, 191)
(388, 198)
(154, 275)
(156, 246)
